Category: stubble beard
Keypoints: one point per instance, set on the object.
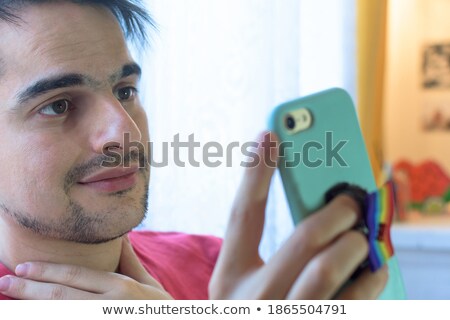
(86, 227)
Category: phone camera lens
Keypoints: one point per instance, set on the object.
(290, 122)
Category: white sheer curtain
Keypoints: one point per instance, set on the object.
(215, 70)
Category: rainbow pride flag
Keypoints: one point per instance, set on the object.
(380, 212)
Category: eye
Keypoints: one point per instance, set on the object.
(56, 108)
(125, 94)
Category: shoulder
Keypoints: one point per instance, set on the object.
(182, 263)
(181, 244)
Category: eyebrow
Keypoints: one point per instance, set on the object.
(127, 70)
(72, 80)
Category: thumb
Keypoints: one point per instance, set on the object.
(130, 266)
(246, 223)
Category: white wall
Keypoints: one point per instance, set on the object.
(422, 250)
(412, 24)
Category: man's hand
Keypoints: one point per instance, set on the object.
(38, 280)
(314, 263)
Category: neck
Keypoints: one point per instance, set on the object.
(19, 245)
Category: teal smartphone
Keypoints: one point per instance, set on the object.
(322, 145)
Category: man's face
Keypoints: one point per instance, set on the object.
(67, 93)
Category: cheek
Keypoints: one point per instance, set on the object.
(34, 173)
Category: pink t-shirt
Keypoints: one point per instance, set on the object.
(182, 263)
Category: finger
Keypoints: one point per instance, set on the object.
(68, 275)
(130, 266)
(246, 223)
(310, 237)
(331, 268)
(368, 285)
(25, 289)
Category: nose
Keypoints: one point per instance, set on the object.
(113, 127)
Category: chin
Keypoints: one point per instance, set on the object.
(124, 224)
(106, 239)
(88, 227)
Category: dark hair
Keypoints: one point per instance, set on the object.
(131, 14)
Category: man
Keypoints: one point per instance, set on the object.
(68, 92)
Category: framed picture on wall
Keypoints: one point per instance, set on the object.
(436, 66)
(436, 86)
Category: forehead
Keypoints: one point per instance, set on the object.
(61, 37)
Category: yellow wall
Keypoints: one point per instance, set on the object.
(411, 24)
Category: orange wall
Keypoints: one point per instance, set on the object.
(412, 24)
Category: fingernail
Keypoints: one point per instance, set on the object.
(4, 283)
(22, 269)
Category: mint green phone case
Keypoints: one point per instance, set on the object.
(334, 126)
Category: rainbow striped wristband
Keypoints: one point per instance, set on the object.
(380, 212)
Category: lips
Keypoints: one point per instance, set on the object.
(111, 180)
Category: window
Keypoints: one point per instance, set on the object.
(215, 70)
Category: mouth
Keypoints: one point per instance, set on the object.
(112, 180)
